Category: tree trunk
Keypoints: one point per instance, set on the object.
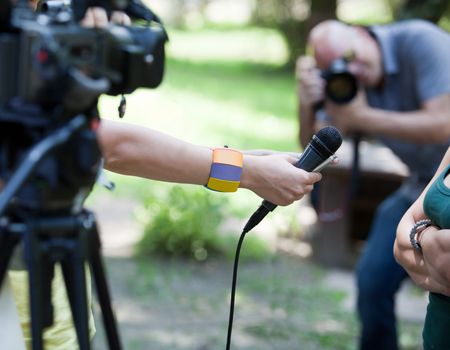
(296, 32)
(431, 10)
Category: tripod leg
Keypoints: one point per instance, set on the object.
(7, 245)
(98, 273)
(75, 280)
(35, 261)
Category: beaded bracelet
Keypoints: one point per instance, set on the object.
(226, 170)
(421, 224)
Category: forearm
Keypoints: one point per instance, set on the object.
(137, 151)
(421, 269)
(436, 254)
(427, 267)
(404, 253)
(412, 260)
(430, 124)
(308, 124)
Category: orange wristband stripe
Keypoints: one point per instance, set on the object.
(227, 156)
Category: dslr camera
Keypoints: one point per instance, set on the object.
(341, 85)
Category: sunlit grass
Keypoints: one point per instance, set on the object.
(255, 45)
(364, 11)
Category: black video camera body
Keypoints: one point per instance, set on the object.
(48, 59)
(341, 85)
(52, 72)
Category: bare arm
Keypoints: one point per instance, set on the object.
(430, 124)
(310, 91)
(429, 269)
(436, 254)
(138, 151)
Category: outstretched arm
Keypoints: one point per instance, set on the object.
(143, 152)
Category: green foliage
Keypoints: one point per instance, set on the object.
(186, 223)
(294, 19)
(432, 10)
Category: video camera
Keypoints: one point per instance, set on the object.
(48, 59)
(341, 85)
(52, 73)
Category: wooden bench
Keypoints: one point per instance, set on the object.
(343, 220)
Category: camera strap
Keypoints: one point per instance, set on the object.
(355, 178)
(137, 10)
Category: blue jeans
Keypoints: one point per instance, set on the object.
(379, 277)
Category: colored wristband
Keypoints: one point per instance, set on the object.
(226, 170)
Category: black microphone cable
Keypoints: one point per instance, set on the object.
(317, 155)
(233, 287)
(257, 216)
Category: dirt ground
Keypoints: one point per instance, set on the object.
(284, 303)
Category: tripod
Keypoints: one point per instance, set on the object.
(50, 237)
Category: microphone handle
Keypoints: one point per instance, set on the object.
(310, 160)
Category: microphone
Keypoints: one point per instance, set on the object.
(318, 154)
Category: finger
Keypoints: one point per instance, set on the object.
(291, 158)
(88, 19)
(307, 189)
(122, 18)
(100, 17)
(316, 177)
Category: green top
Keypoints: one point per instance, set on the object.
(436, 203)
(436, 206)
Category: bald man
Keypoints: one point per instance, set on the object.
(403, 73)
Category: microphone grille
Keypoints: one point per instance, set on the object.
(330, 137)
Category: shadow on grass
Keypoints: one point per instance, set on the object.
(175, 305)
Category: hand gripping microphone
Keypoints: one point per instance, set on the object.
(318, 153)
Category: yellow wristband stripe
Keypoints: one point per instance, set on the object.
(227, 156)
(222, 185)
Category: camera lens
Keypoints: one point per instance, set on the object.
(341, 88)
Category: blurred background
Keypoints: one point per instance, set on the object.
(169, 248)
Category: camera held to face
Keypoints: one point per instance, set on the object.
(341, 85)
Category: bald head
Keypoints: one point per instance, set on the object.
(331, 39)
